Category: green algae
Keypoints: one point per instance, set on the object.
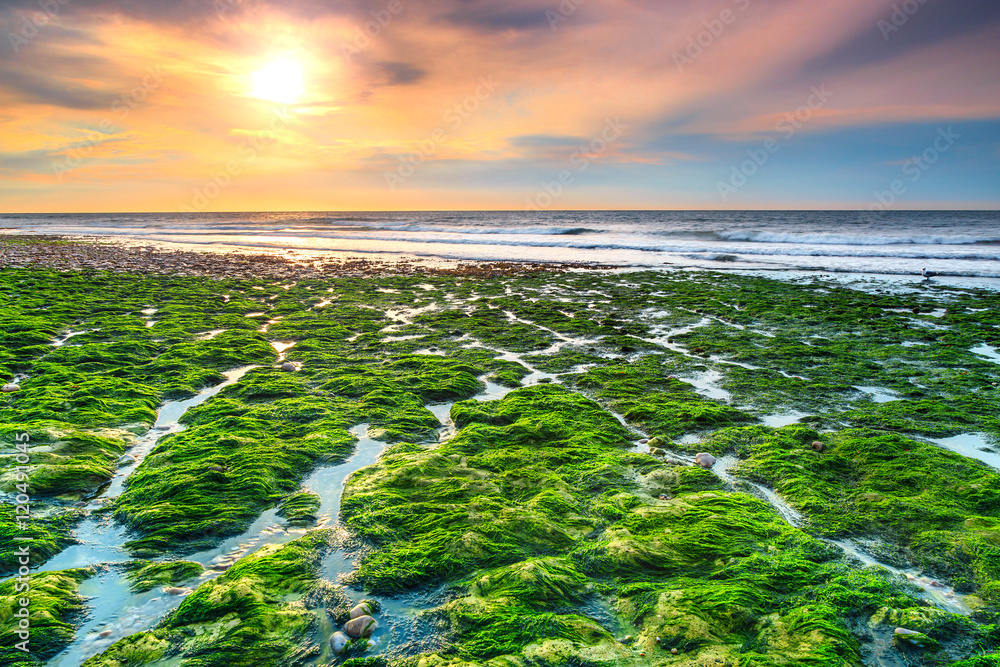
(645, 394)
(936, 509)
(234, 460)
(146, 575)
(249, 446)
(543, 481)
(442, 514)
(85, 402)
(49, 532)
(300, 509)
(65, 461)
(716, 575)
(54, 605)
(480, 499)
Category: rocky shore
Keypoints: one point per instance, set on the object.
(259, 461)
(81, 254)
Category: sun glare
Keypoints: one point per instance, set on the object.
(278, 81)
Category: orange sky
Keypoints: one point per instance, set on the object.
(458, 105)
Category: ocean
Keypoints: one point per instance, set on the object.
(950, 243)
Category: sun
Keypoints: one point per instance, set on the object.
(279, 81)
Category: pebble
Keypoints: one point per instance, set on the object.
(704, 459)
(288, 367)
(903, 632)
(363, 609)
(817, 446)
(174, 590)
(362, 626)
(644, 441)
(10, 388)
(673, 651)
(106, 633)
(338, 642)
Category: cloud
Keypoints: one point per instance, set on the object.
(34, 87)
(494, 16)
(896, 33)
(400, 74)
(15, 163)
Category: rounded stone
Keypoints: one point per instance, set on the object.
(10, 388)
(704, 459)
(288, 367)
(817, 446)
(363, 609)
(338, 642)
(362, 626)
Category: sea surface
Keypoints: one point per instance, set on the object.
(950, 243)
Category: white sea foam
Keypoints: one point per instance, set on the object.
(856, 239)
(950, 243)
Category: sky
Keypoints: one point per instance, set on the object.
(235, 105)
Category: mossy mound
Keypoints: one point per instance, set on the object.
(234, 460)
(54, 606)
(50, 533)
(300, 509)
(145, 575)
(646, 396)
(66, 461)
(508, 486)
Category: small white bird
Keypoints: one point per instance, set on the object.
(927, 274)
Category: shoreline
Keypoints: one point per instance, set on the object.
(115, 254)
(70, 253)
